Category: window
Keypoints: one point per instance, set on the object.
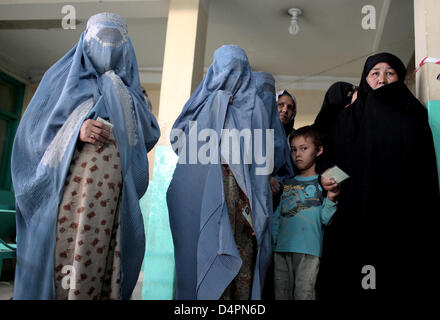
(11, 100)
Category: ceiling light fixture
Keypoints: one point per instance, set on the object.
(294, 26)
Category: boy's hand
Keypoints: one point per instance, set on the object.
(332, 195)
(331, 186)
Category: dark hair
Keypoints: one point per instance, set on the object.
(308, 132)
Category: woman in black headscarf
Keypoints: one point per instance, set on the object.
(337, 97)
(380, 236)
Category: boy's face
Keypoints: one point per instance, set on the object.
(304, 152)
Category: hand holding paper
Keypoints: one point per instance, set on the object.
(336, 174)
(331, 179)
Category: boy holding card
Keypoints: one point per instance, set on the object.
(298, 221)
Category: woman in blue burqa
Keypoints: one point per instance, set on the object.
(79, 167)
(220, 205)
(266, 90)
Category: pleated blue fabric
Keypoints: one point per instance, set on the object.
(206, 255)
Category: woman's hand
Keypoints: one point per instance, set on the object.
(354, 96)
(94, 132)
(275, 185)
(331, 186)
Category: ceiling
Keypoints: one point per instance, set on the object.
(331, 44)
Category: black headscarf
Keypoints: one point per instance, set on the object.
(387, 208)
(337, 97)
(392, 60)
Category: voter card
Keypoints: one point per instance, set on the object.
(336, 174)
(105, 122)
(248, 217)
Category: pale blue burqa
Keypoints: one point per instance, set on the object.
(206, 255)
(98, 77)
(283, 167)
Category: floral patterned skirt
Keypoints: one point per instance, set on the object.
(87, 253)
(241, 287)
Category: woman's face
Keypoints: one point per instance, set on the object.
(286, 106)
(381, 74)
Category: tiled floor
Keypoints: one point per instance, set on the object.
(7, 288)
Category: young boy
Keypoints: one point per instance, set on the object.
(298, 221)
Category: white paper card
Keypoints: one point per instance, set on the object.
(335, 173)
(248, 217)
(105, 122)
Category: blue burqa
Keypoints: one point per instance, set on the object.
(206, 255)
(98, 77)
(283, 167)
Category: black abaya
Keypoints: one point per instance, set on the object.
(387, 208)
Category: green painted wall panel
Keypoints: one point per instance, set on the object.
(158, 265)
(434, 121)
